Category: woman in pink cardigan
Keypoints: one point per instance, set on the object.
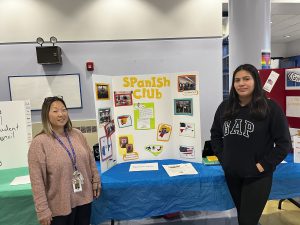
(63, 173)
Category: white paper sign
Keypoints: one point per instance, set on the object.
(15, 133)
(21, 180)
(296, 149)
(180, 169)
(293, 106)
(143, 167)
(270, 82)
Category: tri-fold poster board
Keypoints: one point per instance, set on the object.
(148, 117)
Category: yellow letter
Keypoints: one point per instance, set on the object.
(166, 82)
(126, 82)
(133, 80)
(135, 94)
(159, 82)
(158, 94)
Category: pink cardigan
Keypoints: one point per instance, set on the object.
(51, 170)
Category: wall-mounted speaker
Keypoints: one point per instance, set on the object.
(48, 55)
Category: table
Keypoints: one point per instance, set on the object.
(16, 202)
(143, 194)
(132, 195)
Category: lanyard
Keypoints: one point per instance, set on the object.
(73, 156)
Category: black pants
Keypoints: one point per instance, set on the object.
(250, 196)
(80, 215)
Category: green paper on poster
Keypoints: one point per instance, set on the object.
(144, 117)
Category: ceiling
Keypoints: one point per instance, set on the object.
(285, 19)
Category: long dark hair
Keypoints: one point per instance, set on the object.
(258, 105)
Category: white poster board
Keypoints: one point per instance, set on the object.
(15, 133)
(155, 116)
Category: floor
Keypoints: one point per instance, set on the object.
(288, 215)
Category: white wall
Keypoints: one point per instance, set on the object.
(77, 20)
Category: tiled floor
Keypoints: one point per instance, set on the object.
(288, 215)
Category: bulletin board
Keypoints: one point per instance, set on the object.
(37, 87)
(280, 93)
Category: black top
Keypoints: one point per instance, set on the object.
(242, 142)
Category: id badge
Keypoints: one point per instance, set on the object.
(77, 187)
(77, 181)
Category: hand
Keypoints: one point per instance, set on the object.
(260, 168)
(46, 221)
(96, 189)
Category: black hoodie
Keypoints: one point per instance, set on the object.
(242, 142)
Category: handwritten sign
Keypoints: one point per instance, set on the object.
(15, 133)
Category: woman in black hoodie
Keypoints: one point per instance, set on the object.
(250, 136)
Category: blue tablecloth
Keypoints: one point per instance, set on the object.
(131, 195)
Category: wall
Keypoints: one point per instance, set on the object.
(124, 58)
(116, 35)
(77, 20)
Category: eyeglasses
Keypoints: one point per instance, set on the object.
(53, 98)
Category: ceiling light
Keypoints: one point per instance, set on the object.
(287, 36)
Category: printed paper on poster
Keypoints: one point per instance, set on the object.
(268, 86)
(293, 106)
(296, 149)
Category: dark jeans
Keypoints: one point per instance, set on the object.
(80, 215)
(250, 196)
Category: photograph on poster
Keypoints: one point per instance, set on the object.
(187, 129)
(104, 116)
(123, 141)
(123, 98)
(292, 79)
(154, 149)
(129, 148)
(186, 83)
(124, 121)
(102, 91)
(109, 128)
(164, 132)
(183, 106)
(186, 152)
(105, 148)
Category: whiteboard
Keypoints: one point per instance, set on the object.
(37, 87)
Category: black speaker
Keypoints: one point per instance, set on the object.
(48, 55)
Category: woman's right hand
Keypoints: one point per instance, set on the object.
(46, 221)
